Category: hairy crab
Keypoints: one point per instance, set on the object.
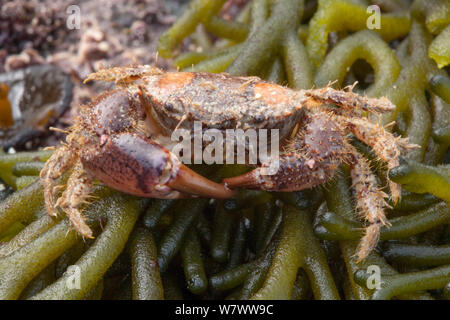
(121, 140)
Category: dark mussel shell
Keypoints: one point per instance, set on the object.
(38, 95)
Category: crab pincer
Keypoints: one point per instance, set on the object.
(137, 165)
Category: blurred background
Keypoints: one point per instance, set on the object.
(48, 47)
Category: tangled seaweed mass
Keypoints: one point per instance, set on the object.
(261, 245)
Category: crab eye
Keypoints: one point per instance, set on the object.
(259, 118)
(169, 106)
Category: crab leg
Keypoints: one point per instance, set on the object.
(61, 160)
(350, 100)
(123, 75)
(385, 145)
(370, 203)
(137, 165)
(77, 191)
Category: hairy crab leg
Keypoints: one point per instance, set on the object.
(370, 202)
(385, 145)
(350, 100)
(137, 165)
(123, 75)
(61, 160)
(78, 187)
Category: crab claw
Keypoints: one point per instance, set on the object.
(190, 182)
(139, 166)
(294, 173)
(251, 180)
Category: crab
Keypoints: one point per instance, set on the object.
(121, 139)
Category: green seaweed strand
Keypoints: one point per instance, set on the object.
(394, 285)
(345, 15)
(122, 214)
(21, 205)
(298, 247)
(29, 233)
(172, 239)
(440, 85)
(32, 168)
(334, 227)
(20, 267)
(439, 49)
(194, 269)
(186, 24)
(260, 45)
(420, 178)
(146, 279)
(418, 255)
(413, 78)
(296, 62)
(365, 45)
